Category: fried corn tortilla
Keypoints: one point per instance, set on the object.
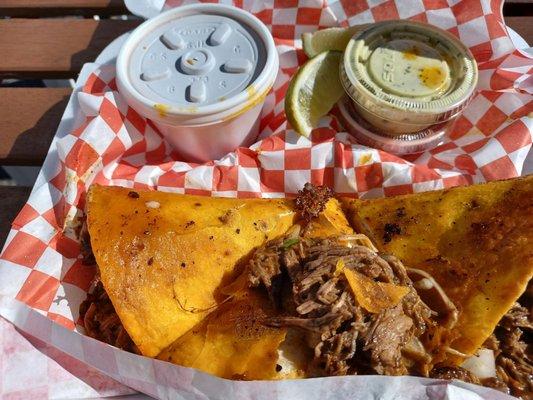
(330, 222)
(233, 341)
(476, 241)
(163, 257)
(172, 264)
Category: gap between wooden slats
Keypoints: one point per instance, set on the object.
(51, 8)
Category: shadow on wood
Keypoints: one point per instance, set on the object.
(29, 121)
(103, 34)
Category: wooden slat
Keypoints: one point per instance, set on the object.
(40, 8)
(523, 26)
(29, 118)
(12, 198)
(518, 8)
(48, 8)
(55, 48)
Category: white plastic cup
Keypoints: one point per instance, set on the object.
(219, 80)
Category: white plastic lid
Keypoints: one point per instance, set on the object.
(197, 64)
(408, 72)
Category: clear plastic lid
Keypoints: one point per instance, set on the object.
(409, 72)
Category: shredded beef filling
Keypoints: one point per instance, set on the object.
(85, 246)
(311, 200)
(450, 373)
(512, 343)
(102, 322)
(99, 317)
(301, 278)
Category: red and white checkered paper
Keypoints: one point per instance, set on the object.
(40, 266)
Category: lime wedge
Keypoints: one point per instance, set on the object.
(313, 91)
(328, 39)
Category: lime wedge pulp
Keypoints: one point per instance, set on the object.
(328, 39)
(313, 91)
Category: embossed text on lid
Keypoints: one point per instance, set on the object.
(197, 60)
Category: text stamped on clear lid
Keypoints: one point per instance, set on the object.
(409, 68)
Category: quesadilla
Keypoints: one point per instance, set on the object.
(163, 257)
(235, 341)
(311, 296)
(476, 241)
(232, 342)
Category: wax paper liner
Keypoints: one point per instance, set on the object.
(42, 279)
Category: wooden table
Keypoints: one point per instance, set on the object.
(33, 47)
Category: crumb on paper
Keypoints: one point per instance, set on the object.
(365, 158)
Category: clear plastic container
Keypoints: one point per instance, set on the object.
(406, 80)
(407, 143)
(200, 73)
